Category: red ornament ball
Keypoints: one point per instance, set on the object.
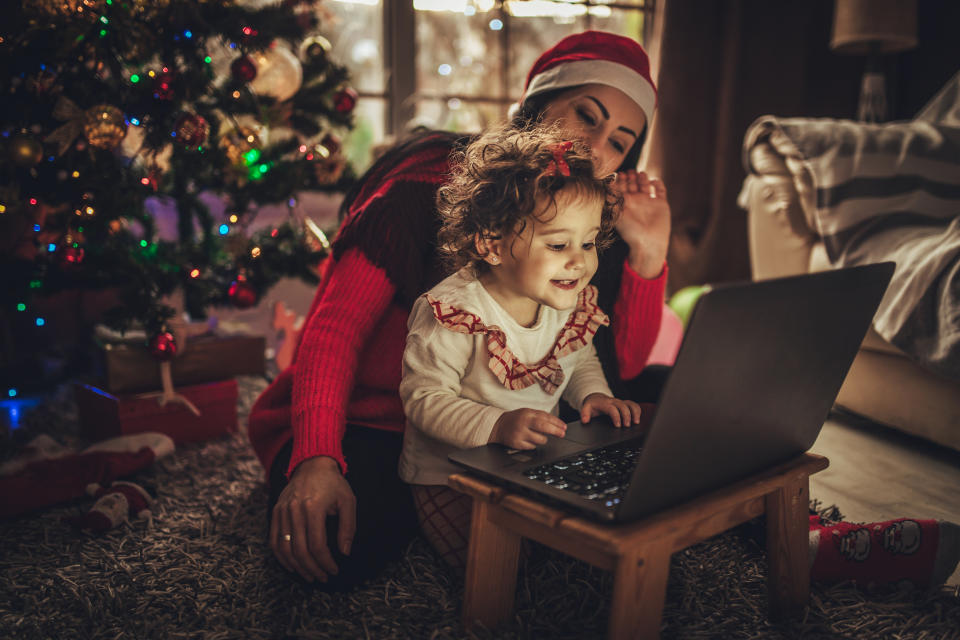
(191, 129)
(163, 346)
(163, 86)
(345, 100)
(242, 294)
(243, 69)
(71, 256)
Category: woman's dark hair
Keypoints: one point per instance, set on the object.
(508, 175)
(532, 111)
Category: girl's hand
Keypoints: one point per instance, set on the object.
(644, 223)
(623, 413)
(527, 428)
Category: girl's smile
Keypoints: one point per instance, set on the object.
(566, 284)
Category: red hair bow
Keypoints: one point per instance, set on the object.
(559, 163)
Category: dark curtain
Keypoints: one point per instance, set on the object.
(723, 63)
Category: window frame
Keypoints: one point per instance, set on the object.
(399, 29)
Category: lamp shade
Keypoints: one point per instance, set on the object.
(874, 26)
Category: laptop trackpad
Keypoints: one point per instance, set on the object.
(555, 448)
(600, 431)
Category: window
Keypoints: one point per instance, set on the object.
(453, 64)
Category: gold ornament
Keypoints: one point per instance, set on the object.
(314, 47)
(236, 143)
(104, 126)
(67, 111)
(279, 73)
(25, 151)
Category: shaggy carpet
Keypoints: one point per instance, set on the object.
(199, 568)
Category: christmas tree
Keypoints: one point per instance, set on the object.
(109, 105)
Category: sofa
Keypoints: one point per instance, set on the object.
(785, 193)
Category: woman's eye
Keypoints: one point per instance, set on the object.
(586, 117)
(616, 144)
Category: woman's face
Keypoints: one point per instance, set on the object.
(603, 117)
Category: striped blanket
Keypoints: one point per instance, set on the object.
(888, 192)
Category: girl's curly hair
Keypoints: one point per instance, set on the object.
(507, 175)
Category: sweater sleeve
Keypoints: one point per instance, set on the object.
(637, 313)
(586, 378)
(356, 295)
(434, 362)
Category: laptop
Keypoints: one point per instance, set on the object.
(756, 375)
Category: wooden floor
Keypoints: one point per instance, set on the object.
(877, 473)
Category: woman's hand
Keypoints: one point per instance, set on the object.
(298, 529)
(526, 428)
(623, 413)
(645, 222)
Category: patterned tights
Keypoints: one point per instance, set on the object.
(444, 516)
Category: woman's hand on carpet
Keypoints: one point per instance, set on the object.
(298, 528)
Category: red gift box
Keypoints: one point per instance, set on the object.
(106, 415)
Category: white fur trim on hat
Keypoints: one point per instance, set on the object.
(613, 74)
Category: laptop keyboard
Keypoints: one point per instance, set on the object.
(600, 475)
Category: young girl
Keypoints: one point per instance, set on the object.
(492, 348)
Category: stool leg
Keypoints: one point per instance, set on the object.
(788, 582)
(491, 579)
(639, 591)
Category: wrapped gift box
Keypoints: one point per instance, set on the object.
(105, 415)
(130, 367)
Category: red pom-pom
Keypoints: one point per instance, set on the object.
(163, 346)
(345, 100)
(243, 69)
(191, 129)
(71, 257)
(242, 294)
(163, 86)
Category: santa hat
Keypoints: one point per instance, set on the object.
(595, 57)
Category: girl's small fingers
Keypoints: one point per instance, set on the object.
(617, 408)
(614, 414)
(554, 427)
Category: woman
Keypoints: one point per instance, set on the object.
(338, 402)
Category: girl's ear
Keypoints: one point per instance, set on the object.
(489, 248)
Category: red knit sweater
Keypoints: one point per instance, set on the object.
(347, 364)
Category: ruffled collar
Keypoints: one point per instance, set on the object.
(576, 333)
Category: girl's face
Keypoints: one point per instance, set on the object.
(549, 262)
(603, 117)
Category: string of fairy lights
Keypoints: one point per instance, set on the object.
(163, 99)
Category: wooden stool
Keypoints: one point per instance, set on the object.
(639, 552)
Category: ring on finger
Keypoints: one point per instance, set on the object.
(287, 537)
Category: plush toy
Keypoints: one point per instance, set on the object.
(47, 474)
(115, 504)
(923, 551)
